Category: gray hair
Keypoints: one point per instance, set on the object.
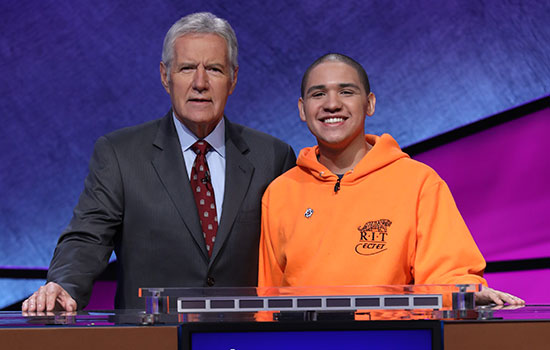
(201, 22)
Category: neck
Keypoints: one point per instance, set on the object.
(341, 160)
(200, 129)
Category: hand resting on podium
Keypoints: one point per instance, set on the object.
(49, 297)
(489, 295)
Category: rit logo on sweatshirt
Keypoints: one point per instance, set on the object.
(373, 237)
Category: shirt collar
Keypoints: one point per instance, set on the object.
(216, 138)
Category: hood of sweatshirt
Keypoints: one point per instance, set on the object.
(385, 151)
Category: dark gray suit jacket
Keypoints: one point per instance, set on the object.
(137, 200)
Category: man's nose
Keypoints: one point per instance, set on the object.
(200, 79)
(332, 102)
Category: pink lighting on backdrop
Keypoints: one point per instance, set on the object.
(500, 179)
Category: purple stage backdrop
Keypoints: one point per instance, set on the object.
(499, 178)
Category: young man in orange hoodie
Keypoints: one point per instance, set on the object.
(356, 210)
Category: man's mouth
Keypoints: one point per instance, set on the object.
(333, 120)
(199, 100)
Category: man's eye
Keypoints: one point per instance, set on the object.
(186, 68)
(318, 94)
(215, 69)
(346, 92)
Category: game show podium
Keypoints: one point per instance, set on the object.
(351, 317)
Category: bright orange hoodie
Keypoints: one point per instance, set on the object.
(391, 221)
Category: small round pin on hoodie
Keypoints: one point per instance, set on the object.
(308, 213)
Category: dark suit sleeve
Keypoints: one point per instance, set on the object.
(84, 248)
(289, 160)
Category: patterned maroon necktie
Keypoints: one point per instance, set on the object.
(204, 194)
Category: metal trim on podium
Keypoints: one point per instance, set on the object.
(316, 299)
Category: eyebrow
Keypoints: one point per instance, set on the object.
(194, 64)
(216, 65)
(341, 85)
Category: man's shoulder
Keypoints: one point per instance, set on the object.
(135, 131)
(415, 165)
(410, 169)
(134, 139)
(252, 136)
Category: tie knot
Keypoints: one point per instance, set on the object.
(200, 147)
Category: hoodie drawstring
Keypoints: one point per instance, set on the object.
(337, 185)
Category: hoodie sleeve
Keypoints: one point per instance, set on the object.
(445, 249)
(270, 271)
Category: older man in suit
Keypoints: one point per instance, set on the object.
(178, 198)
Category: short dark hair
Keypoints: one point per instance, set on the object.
(338, 57)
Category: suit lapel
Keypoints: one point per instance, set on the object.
(170, 167)
(238, 174)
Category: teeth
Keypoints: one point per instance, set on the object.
(333, 120)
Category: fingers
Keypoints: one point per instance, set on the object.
(25, 305)
(29, 305)
(41, 299)
(51, 292)
(488, 295)
(506, 298)
(66, 301)
(48, 298)
(496, 298)
(510, 299)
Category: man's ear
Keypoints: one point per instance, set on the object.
(234, 82)
(164, 77)
(371, 102)
(301, 109)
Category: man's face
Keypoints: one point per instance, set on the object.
(335, 105)
(200, 81)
